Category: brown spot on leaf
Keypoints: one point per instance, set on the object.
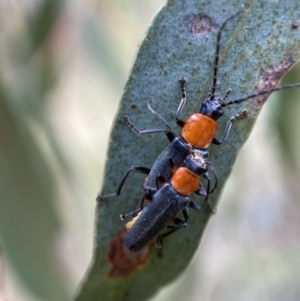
(133, 106)
(270, 77)
(123, 262)
(201, 24)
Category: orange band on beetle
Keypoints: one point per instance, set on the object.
(185, 181)
(199, 130)
(131, 223)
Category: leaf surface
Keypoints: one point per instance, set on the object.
(257, 48)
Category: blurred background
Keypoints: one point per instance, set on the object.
(63, 68)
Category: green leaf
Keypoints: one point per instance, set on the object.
(257, 48)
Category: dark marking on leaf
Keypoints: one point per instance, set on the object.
(133, 106)
(270, 77)
(123, 262)
(294, 25)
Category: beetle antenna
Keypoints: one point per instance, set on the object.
(291, 86)
(215, 84)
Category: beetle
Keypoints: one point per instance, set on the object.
(163, 168)
(166, 203)
(200, 129)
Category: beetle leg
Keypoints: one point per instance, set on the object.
(126, 120)
(229, 124)
(138, 169)
(182, 82)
